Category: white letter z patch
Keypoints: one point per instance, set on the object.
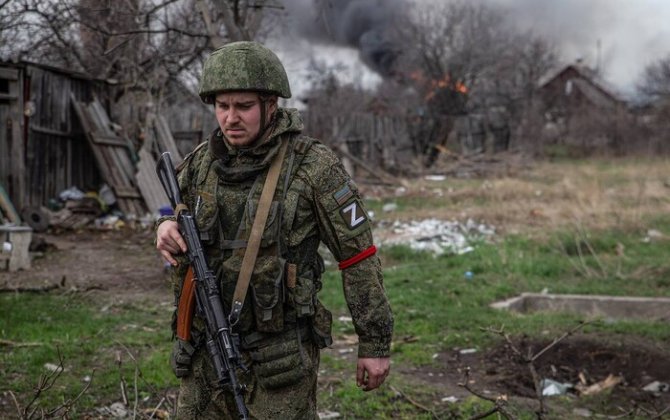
(353, 215)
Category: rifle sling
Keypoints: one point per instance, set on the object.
(257, 229)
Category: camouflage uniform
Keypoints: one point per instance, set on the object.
(283, 324)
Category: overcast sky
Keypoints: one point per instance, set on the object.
(631, 34)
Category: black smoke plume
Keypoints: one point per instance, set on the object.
(368, 25)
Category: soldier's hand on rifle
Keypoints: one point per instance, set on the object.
(169, 241)
(371, 372)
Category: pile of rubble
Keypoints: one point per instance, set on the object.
(74, 209)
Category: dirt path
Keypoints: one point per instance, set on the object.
(121, 264)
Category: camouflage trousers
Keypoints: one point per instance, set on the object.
(288, 394)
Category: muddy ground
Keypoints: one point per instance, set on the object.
(122, 265)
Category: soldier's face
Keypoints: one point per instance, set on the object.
(239, 116)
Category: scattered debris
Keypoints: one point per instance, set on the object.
(51, 367)
(72, 193)
(653, 235)
(323, 415)
(551, 387)
(610, 382)
(657, 387)
(116, 410)
(582, 412)
(389, 207)
(450, 399)
(9, 343)
(344, 319)
(437, 236)
(468, 351)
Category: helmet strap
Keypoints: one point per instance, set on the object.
(266, 122)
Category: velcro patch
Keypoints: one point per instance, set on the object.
(343, 194)
(353, 214)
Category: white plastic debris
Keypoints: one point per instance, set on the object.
(551, 387)
(436, 236)
(344, 319)
(72, 193)
(656, 387)
(323, 415)
(53, 367)
(389, 207)
(654, 234)
(468, 351)
(107, 195)
(118, 410)
(435, 177)
(450, 399)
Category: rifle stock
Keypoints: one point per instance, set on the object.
(222, 344)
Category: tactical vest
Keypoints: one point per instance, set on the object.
(285, 280)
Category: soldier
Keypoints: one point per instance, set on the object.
(282, 324)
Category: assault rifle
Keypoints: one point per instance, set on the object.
(221, 342)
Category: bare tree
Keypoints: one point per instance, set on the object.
(654, 110)
(75, 31)
(471, 70)
(141, 45)
(655, 82)
(449, 48)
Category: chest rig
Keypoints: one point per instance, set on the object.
(225, 214)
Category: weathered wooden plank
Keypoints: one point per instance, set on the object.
(112, 155)
(377, 173)
(14, 132)
(126, 192)
(9, 74)
(50, 131)
(8, 207)
(107, 140)
(165, 139)
(148, 182)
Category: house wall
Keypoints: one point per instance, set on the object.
(554, 93)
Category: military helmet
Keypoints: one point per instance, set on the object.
(243, 66)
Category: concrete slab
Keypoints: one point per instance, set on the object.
(592, 306)
(16, 241)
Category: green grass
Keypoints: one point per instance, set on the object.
(436, 306)
(90, 340)
(436, 309)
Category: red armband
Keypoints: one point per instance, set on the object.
(358, 257)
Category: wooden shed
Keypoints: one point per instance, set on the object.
(43, 149)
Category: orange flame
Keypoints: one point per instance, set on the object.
(433, 86)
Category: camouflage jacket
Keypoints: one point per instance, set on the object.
(316, 201)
